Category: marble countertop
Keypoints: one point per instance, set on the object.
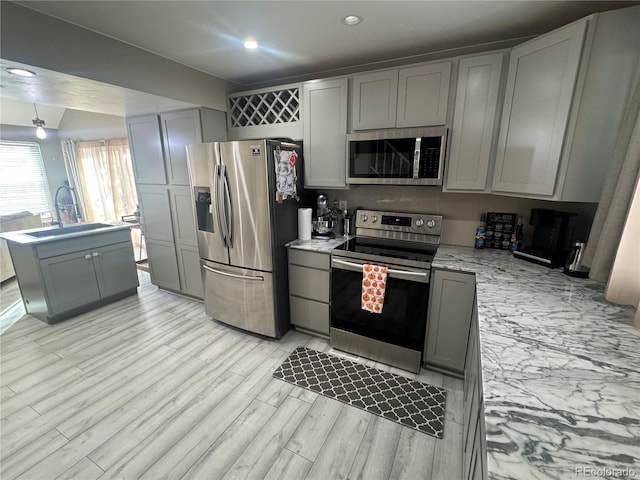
(318, 245)
(561, 370)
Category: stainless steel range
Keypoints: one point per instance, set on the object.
(405, 243)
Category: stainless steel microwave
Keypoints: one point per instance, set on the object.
(407, 156)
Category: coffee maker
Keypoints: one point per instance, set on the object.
(552, 235)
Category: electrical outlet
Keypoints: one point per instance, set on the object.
(342, 204)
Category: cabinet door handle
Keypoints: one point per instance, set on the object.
(87, 256)
(95, 254)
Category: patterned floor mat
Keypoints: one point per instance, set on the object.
(408, 402)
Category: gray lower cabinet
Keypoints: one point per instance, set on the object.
(189, 270)
(450, 305)
(164, 267)
(474, 441)
(70, 281)
(64, 278)
(309, 281)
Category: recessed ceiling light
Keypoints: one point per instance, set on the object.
(351, 20)
(21, 72)
(250, 44)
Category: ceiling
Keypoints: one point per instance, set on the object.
(307, 37)
(298, 40)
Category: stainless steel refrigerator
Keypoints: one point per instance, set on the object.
(246, 210)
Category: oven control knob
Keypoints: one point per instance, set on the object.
(365, 218)
(374, 219)
(431, 223)
(419, 222)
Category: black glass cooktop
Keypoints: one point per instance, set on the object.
(403, 250)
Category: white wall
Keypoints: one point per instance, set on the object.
(461, 211)
(78, 125)
(38, 40)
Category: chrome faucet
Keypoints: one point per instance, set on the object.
(74, 201)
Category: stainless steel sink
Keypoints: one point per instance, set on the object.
(60, 231)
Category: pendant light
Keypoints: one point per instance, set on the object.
(40, 131)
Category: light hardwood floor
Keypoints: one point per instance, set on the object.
(150, 387)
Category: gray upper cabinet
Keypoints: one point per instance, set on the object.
(413, 96)
(475, 127)
(325, 133)
(450, 309)
(145, 144)
(423, 95)
(540, 86)
(374, 99)
(565, 101)
(179, 129)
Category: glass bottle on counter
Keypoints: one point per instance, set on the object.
(480, 232)
(516, 236)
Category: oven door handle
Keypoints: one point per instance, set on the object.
(393, 272)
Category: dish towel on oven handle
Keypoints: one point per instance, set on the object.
(374, 283)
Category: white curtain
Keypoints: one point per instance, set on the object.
(102, 173)
(624, 282)
(69, 152)
(613, 252)
(107, 184)
(617, 193)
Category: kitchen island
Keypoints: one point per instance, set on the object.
(64, 271)
(560, 370)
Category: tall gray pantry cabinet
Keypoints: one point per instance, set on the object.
(157, 144)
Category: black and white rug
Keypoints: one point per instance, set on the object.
(405, 401)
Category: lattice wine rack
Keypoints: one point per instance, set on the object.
(265, 108)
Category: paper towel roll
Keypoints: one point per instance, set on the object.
(304, 224)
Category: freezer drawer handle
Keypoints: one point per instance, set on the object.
(390, 270)
(243, 277)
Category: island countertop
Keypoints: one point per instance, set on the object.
(37, 236)
(560, 368)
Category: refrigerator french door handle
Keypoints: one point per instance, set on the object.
(216, 194)
(224, 213)
(228, 211)
(233, 275)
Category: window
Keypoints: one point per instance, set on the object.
(23, 180)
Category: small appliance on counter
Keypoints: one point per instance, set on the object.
(324, 222)
(551, 237)
(574, 266)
